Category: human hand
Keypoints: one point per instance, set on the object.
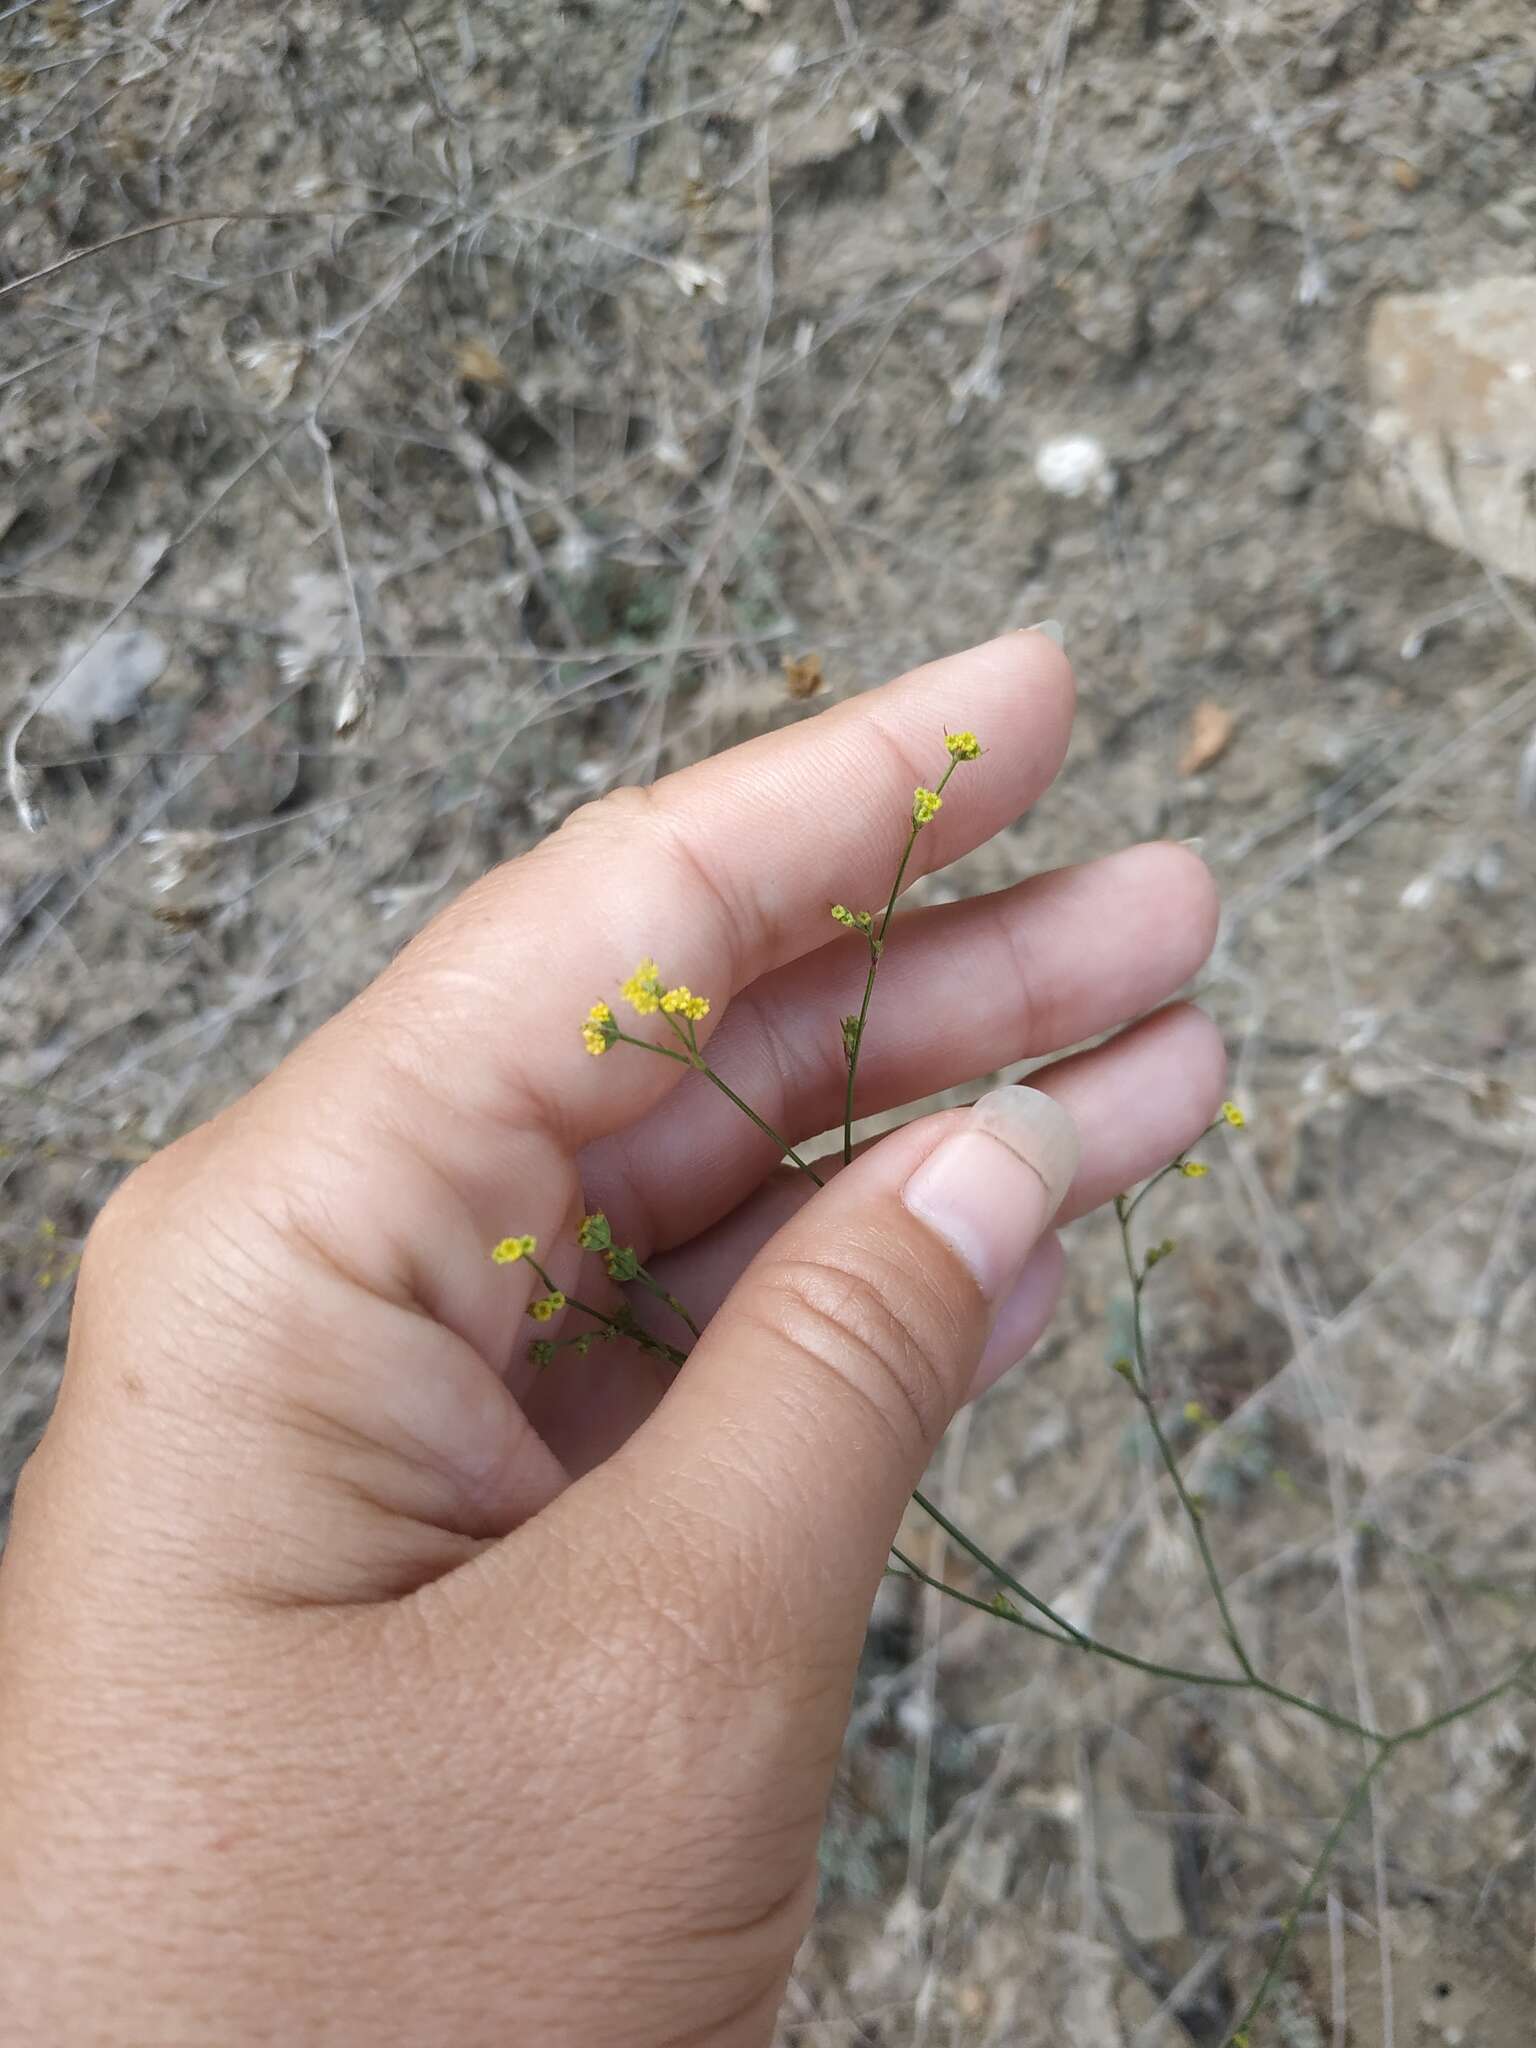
(358, 1684)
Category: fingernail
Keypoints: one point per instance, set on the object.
(990, 1188)
(1053, 629)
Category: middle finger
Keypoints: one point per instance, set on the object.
(963, 989)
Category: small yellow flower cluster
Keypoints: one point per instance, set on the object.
(511, 1249)
(593, 1234)
(1233, 1115)
(645, 995)
(963, 746)
(544, 1306)
(1194, 1169)
(926, 805)
(855, 920)
(682, 1002)
(599, 1031)
(642, 991)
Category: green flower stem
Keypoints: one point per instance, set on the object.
(654, 1286)
(1249, 1682)
(615, 1328)
(1052, 1626)
(786, 1149)
(1238, 2036)
(876, 943)
(990, 1564)
(1075, 1641)
(1387, 1748)
(1138, 1279)
(690, 1056)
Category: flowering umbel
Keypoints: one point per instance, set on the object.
(643, 990)
(511, 1249)
(682, 1002)
(600, 1029)
(926, 806)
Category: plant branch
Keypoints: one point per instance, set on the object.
(876, 946)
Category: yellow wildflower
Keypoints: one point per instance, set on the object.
(1194, 1169)
(546, 1305)
(511, 1249)
(682, 1002)
(963, 746)
(642, 991)
(593, 1234)
(599, 1031)
(1233, 1115)
(926, 805)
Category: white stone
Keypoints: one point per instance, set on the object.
(1075, 466)
(1452, 418)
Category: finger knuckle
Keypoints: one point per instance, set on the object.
(872, 1326)
(651, 821)
(609, 818)
(128, 1216)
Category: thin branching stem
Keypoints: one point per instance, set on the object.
(974, 1550)
(653, 1286)
(688, 1054)
(1076, 1640)
(611, 1324)
(1049, 1624)
(1387, 1748)
(876, 947)
(1248, 1682)
(1193, 1513)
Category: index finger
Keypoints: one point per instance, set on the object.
(720, 873)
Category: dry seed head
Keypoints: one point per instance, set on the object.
(593, 1234)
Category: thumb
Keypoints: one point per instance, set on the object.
(788, 1448)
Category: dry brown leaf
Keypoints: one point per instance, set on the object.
(477, 363)
(803, 674)
(1210, 734)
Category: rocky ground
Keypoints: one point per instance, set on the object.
(595, 361)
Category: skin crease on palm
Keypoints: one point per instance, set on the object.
(359, 1685)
